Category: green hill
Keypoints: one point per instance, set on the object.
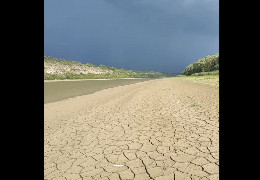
(203, 66)
(66, 69)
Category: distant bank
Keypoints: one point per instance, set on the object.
(61, 69)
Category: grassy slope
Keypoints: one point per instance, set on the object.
(210, 79)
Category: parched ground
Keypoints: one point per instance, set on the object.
(164, 129)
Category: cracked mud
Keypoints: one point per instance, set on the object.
(164, 129)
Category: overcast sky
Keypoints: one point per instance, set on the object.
(158, 35)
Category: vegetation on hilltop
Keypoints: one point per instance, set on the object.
(108, 72)
(203, 66)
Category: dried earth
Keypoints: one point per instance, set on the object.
(164, 129)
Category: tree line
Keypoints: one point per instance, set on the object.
(206, 64)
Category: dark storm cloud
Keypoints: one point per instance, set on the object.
(160, 35)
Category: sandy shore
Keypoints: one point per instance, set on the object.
(60, 90)
(164, 129)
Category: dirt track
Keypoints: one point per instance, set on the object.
(165, 129)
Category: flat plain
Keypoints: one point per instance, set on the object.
(162, 129)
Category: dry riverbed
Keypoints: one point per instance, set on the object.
(163, 129)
